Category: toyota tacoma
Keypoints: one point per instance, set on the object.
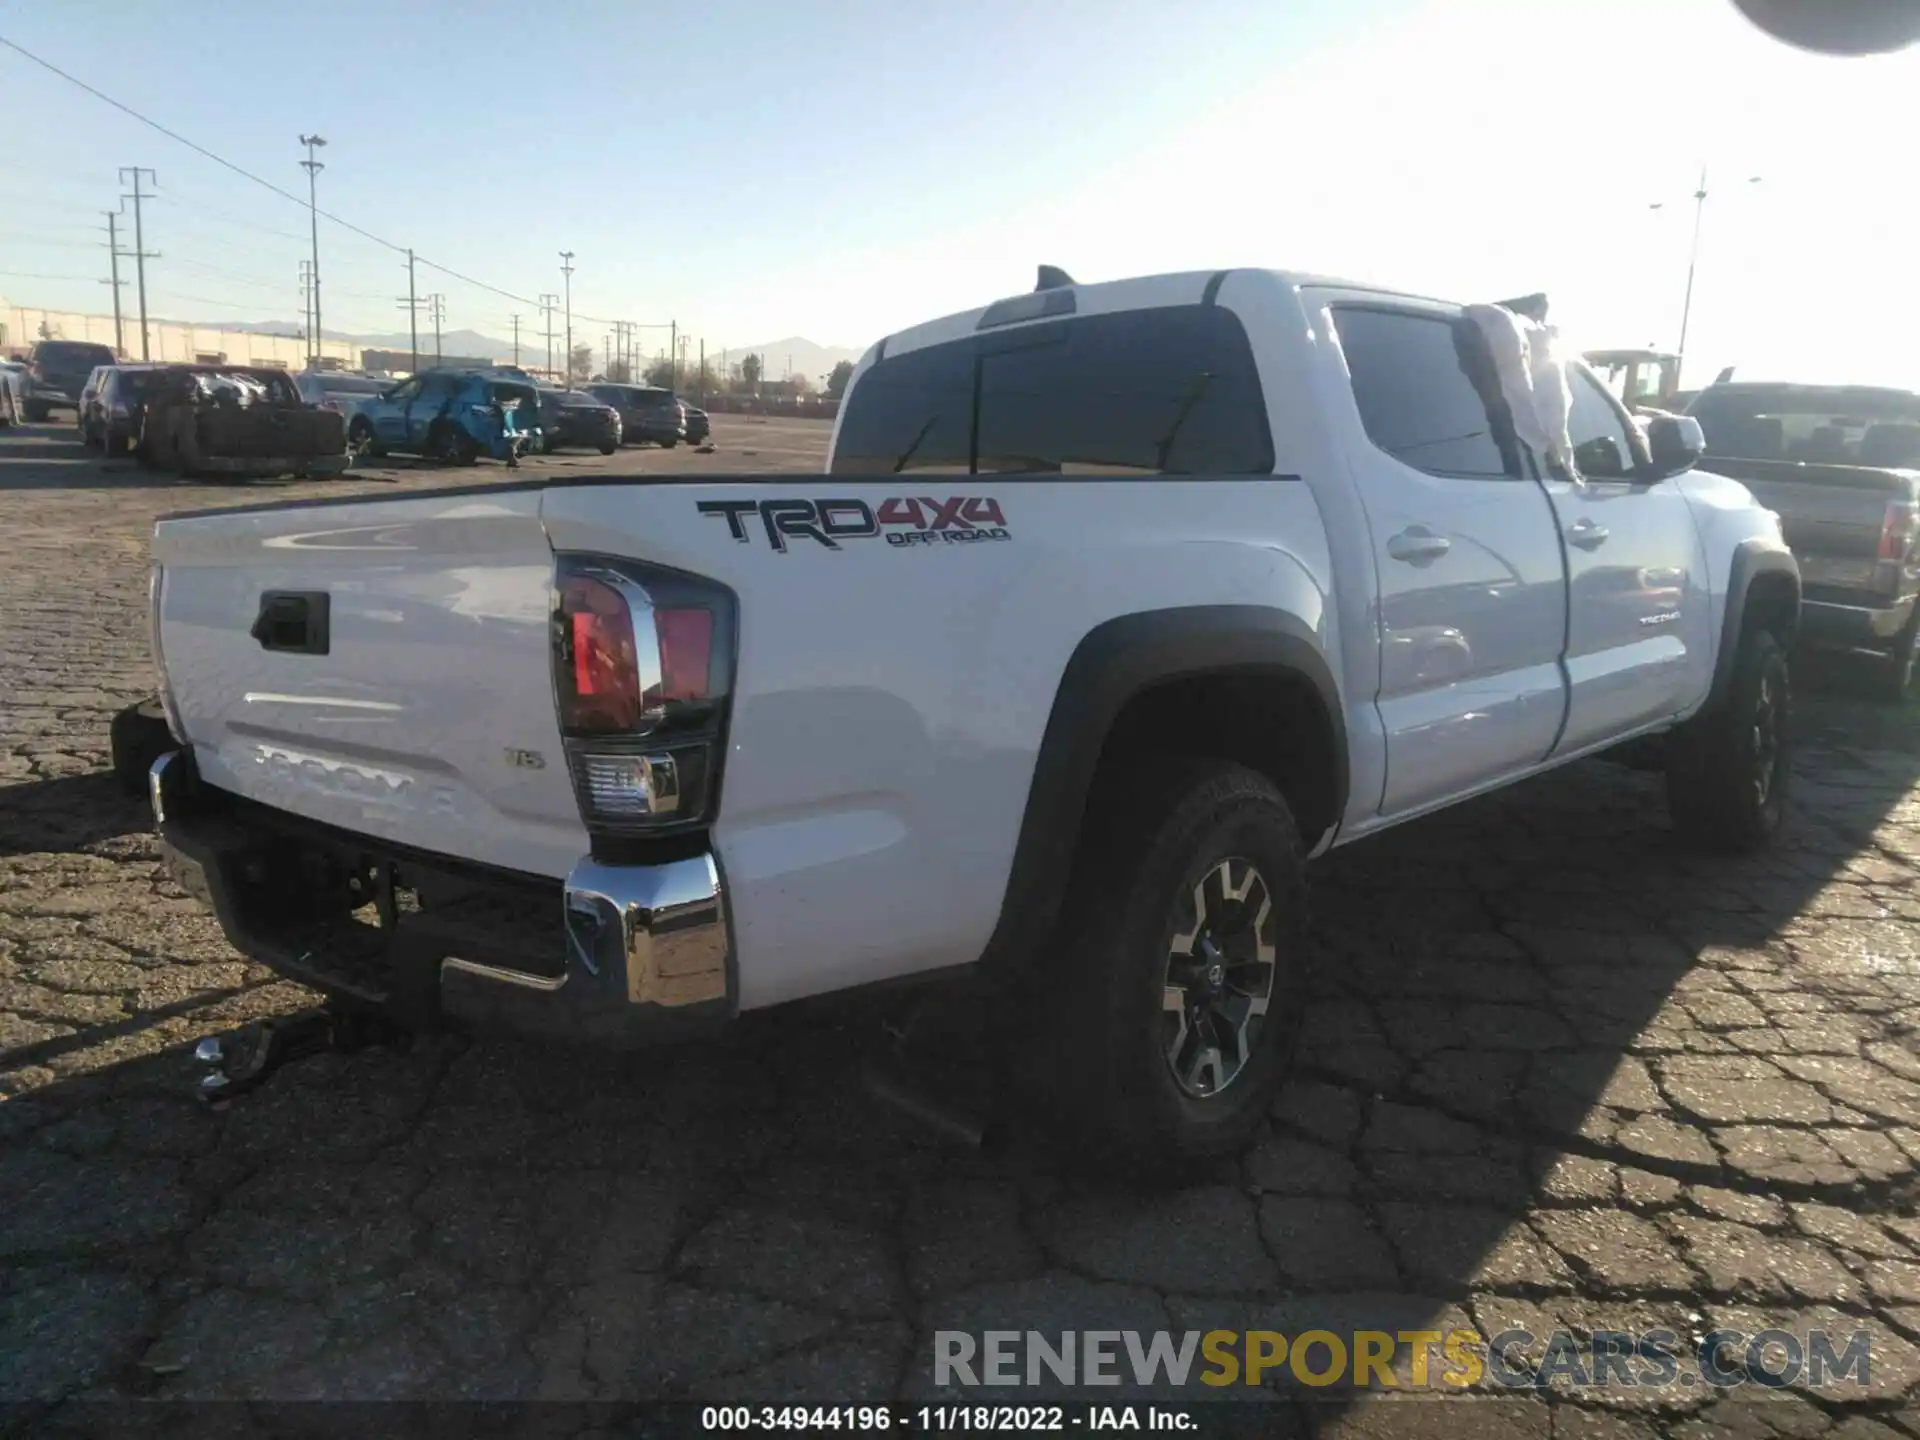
(1117, 604)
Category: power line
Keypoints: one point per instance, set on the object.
(35, 275)
(246, 174)
(177, 137)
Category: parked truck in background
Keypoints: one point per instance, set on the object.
(1117, 604)
(1841, 466)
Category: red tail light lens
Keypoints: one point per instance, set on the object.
(1896, 532)
(643, 674)
(604, 668)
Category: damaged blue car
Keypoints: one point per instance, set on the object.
(454, 416)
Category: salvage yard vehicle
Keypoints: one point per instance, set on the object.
(115, 413)
(453, 416)
(57, 370)
(646, 413)
(1118, 604)
(236, 420)
(573, 417)
(1840, 464)
(340, 390)
(13, 392)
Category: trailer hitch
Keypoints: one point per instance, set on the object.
(243, 1060)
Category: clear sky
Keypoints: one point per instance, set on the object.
(838, 170)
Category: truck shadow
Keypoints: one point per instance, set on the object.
(1526, 1017)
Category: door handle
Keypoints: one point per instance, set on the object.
(1418, 545)
(1587, 534)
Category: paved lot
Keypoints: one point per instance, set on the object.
(1558, 1072)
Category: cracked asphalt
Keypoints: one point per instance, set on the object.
(1558, 1072)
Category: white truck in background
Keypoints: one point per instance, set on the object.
(1116, 604)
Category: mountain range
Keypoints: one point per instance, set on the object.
(795, 354)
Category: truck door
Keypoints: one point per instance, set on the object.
(1638, 621)
(1472, 586)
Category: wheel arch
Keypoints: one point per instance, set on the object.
(1763, 589)
(1128, 679)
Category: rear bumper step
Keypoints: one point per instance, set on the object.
(616, 955)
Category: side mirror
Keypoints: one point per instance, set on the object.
(1600, 458)
(1675, 444)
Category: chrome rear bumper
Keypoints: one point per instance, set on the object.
(643, 948)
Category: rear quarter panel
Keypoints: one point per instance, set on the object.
(891, 698)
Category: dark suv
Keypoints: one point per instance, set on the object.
(646, 412)
(57, 371)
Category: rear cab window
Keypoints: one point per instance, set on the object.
(1822, 425)
(74, 355)
(1416, 394)
(1169, 391)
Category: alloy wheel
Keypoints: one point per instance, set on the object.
(1219, 977)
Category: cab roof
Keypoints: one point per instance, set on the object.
(1053, 298)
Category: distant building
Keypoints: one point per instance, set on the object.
(400, 362)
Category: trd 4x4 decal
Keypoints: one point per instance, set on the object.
(904, 520)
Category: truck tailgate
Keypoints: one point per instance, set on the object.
(1825, 510)
(429, 720)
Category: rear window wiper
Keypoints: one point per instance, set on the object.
(908, 453)
(1163, 447)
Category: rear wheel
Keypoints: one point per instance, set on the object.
(607, 447)
(1727, 768)
(36, 413)
(1181, 951)
(360, 441)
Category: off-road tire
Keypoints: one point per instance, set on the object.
(139, 736)
(1727, 768)
(1897, 676)
(608, 449)
(36, 413)
(1100, 1056)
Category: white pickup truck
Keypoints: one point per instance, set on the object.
(1117, 604)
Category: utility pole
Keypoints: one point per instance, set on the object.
(516, 342)
(313, 168)
(306, 307)
(437, 308)
(703, 370)
(113, 261)
(140, 255)
(566, 269)
(411, 304)
(547, 304)
(673, 350)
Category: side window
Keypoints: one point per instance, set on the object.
(1416, 398)
(1602, 447)
(406, 392)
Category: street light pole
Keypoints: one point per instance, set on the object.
(313, 168)
(566, 269)
(1693, 264)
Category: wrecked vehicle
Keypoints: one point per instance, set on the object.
(236, 420)
(453, 416)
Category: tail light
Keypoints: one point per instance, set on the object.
(643, 679)
(1897, 530)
